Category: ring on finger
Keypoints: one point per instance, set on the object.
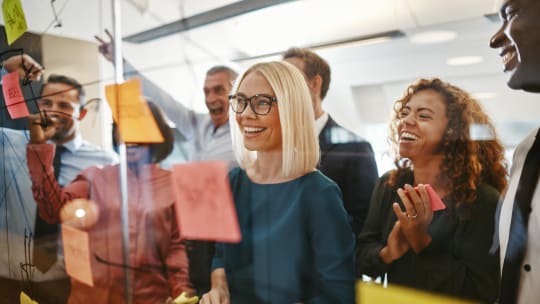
(412, 216)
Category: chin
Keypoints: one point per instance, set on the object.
(529, 82)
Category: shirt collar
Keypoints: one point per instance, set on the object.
(321, 122)
(74, 144)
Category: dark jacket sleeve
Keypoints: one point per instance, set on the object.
(372, 238)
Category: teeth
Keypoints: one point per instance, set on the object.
(407, 135)
(507, 57)
(252, 130)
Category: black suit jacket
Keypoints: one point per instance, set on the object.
(349, 161)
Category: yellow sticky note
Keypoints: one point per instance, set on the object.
(14, 20)
(25, 299)
(132, 114)
(369, 293)
(183, 299)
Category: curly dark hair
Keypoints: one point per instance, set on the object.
(467, 162)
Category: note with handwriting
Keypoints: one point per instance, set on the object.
(15, 103)
(77, 254)
(14, 20)
(204, 203)
(132, 114)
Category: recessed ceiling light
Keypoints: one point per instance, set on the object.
(483, 95)
(430, 37)
(464, 60)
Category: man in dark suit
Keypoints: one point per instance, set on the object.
(345, 157)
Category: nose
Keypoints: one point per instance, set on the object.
(498, 38)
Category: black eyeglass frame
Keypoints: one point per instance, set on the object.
(271, 98)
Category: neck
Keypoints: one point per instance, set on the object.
(428, 171)
(267, 168)
(317, 108)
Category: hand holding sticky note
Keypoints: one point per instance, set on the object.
(434, 199)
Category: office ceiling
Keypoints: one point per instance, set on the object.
(366, 78)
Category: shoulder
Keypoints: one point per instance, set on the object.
(108, 155)
(487, 194)
(338, 134)
(12, 134)
(317, 184)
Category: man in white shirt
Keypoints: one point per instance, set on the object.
(518, 42)
(61, 98)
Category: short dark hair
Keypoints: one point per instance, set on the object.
(223, 69)
(72, 82)
(313, 65)
(160, 151)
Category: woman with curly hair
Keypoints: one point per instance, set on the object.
(445, 251)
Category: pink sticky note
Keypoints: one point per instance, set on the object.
(13, 95)
(77, 254)
(434, 199)
(204, 204)
(436, 202)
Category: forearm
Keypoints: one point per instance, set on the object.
(48, 194)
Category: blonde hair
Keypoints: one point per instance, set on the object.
(300, 150)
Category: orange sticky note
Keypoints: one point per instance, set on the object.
(204, 204)
(77, 254)
(132, 114)
(14, 20)
(16, 105)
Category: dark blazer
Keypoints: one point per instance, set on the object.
(349, 161)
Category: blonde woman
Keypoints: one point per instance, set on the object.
(297, 245)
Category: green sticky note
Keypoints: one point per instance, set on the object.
(14, 20)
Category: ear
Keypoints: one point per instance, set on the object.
(315, 84)
(82, 113)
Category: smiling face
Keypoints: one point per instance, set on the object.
(61, 103)
(261, 132)
(216, 91)
(422, 124)
(518, 42)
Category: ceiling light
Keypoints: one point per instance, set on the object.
(483, 95)
(355, 41)
(431, 37)
(464, 60)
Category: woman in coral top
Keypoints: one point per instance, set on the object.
(157, 258)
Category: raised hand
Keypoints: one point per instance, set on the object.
(42, 128)
(27, 67)
(106, 48)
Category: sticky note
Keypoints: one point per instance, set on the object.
(132, 114)
(77, 254)
(436, 202)
(376, 293)
(434, 199)
(16, 105)
(25, 299)
(204, 204)
(14, 20)
(184, 299)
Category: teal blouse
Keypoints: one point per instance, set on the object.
(297, 244)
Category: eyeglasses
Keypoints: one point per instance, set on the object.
(260, 104)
